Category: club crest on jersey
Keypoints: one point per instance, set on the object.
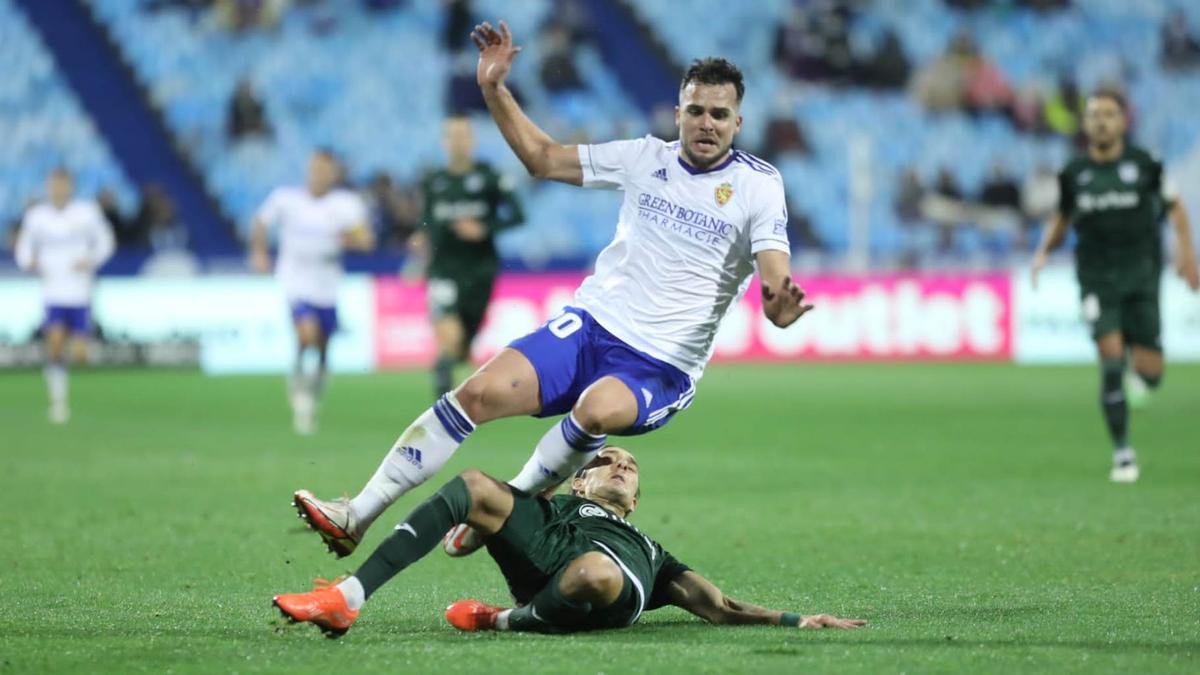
(1128, 171)
(724, 193)
(592, 511)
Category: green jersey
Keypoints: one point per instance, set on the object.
(648, 566)
(481, 193)
(1116, 208)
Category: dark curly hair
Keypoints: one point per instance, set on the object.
(714, 70)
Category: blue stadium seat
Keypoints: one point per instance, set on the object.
(44, 126)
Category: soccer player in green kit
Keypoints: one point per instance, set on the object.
(466, 204)
(572, 562)
(1115, 195)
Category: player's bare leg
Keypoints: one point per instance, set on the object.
(1111, 349)
(56, 372)
(606, 406)
(304, 388)
(79, 349)
(506, 386)
(1144, 377)
(450, 336)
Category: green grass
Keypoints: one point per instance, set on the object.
(964, 510)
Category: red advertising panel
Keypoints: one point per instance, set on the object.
(857, 317)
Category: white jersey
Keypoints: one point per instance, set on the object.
(310, 245)
(56, 242)
(684, 248)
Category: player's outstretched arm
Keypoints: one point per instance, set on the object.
(701, 597)
(1052, 238)
(260, 258)
(542, 156)
(783, 300)
(25, 250)
(1185, 252)
(104, 243)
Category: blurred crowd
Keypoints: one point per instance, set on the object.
(814, 43)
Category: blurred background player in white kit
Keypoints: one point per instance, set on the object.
(316, 223)
(64, 241)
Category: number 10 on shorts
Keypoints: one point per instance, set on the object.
(563, 325)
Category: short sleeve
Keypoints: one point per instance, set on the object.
(103, 242)
(769, 219)
(1066, 194)
(271, 209)
(26, 241)
(669, 571)
(352, 212)
(606, 165)
(1161, 184)
(95, 216)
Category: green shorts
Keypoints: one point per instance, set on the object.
(533, 553)
(465, 297)
(1131, 310)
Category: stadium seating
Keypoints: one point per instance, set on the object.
(43, 125)
(1082, 42)
(372, 85)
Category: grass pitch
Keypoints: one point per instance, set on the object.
(963, 509)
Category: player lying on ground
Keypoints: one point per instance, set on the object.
(698, 218)
(572, 562)
(1116, 196)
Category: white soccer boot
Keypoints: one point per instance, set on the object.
(1125, 468)
(461, 540)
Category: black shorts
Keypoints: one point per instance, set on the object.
(533, 553)
(465, 297)
(1131, 309)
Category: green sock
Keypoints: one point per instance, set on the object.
(443, 375)
(1112, 402)
(417, 535)
(550, 612)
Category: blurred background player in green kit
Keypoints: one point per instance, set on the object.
(1115, 194)
(465, 205)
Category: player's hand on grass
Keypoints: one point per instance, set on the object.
(469, 229)
(828, 621)
(786, 305)
(1186, 266)
(496, 53)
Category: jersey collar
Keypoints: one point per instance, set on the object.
(712, 169)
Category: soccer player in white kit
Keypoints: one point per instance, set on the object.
(698, 217)
(316, 223)
(64, 240)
